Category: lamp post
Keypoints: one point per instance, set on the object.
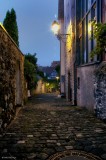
(55, 27)
(57, 79)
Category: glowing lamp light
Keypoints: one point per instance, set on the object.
(89, 27)
(55, 27)
(57, 77)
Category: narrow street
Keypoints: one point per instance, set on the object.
(48, 125)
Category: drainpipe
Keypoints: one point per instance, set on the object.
(75, 64)
(75, 83)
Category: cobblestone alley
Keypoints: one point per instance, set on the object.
(48, 125)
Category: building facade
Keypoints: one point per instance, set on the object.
(80, 67)
(69, 28)
(62, 47)
(86, 65)
(40, 88)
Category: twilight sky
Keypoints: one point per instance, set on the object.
(34, 18)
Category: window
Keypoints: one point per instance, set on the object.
(93, 17)
(83, 6)
(89, 35)
(88, 13)
(83, 42)
(89, 4)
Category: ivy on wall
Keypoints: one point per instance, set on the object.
(99, 34)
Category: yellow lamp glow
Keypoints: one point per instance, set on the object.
(89, 27)
(55, 27)
(57, 78)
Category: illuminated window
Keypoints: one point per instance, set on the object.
(88, 12)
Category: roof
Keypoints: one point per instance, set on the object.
(55, 64)
(47, 70)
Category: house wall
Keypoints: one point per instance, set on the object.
(91, 87)
(11, 77)
(62, 46)
(85, 86)
(62, 60)
(69, 14)
(80, 68)
(40, 88)
(104, 11)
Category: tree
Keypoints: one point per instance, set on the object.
(10, 25)
(58, 69)
(30, 71)
(32, 59)
(41, 74)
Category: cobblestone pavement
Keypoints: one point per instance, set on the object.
(47, 125)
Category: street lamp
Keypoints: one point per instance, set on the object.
(55, 27)
(65, 39)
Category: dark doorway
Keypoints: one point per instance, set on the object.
(69, 88)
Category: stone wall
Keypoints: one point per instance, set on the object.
(100, 91)
(11, 78)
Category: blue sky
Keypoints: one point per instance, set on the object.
(34, 18)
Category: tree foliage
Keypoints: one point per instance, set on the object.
(99, 34)
(58, 69)
(30, 72)
(41, 74)
(52, 85)
(32, 58)
(10, 25)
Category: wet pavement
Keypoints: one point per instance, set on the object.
(47, 125)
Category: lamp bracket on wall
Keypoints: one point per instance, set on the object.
(55, 27)
(63, 37)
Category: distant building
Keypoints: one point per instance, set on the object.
(54, 64)
(49, 72)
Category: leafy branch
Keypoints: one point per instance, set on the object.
(99, 34)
